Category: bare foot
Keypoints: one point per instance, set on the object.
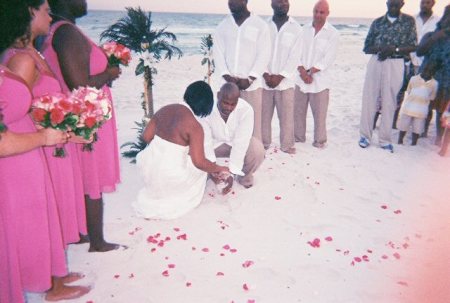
(290, 150)
(105, 246)
(66, 293)
(72, 277)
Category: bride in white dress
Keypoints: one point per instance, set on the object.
(173, 165)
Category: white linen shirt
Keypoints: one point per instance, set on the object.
(236, 132)
(317, 51)
(422, 29)
(241, 51)
(285, 52)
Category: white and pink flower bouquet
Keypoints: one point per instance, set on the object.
(96, 109)
(117, 53)
(55, 111)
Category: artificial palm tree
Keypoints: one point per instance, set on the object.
(135, 32)
(206, 47)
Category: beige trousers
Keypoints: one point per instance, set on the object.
(254, 98)
(253, 159)
(319, 107)
(283, 101)
(383, 81)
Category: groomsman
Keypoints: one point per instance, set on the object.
(279, 78)
(319, 42)
(241, 55)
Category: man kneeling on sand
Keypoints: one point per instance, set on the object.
(228, 134)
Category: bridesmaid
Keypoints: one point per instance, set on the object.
(24, 60)
(29, 217)
(77, 61)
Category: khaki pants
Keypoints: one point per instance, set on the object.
(383, 82)
(254, 98)
(319, 107)
(253, 159)
(284, 102)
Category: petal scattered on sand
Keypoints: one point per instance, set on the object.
(314, 243)
(402, 283)
(329, 239)
(398, 212)
(226, 247)
(205, 249)
(245, 287)
(247, 264)
(397, 256)
(165, 273)
(219, 273)
(116, 276)
(171, 266)
(277, 198)
(188, 284)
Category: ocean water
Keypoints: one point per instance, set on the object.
(190, 28)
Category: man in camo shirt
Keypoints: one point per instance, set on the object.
(390, 38)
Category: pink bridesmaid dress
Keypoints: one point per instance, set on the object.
(65, 172)
(100, 167)
(29, 216)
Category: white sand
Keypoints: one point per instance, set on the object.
(338, 192)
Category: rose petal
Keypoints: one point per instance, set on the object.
(385, 257)
(247, 264)
(397, 256)
(205, 249)
(131, 276)
(219, 273)
(402, 283)
(165, 273)
(277, 198)
(245, 287)
(384, 206)
(329, 239)
(182, 237)
(233, 250)
(357, 259)
(188, 284)
(397, 212)
(171, 265)
(226, 247)
(176, 229)
(153, 250)
(116, 276)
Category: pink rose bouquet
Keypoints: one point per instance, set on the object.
(117, 53)
(96, 109)
(55, 111)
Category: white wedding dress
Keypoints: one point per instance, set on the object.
(173, 185)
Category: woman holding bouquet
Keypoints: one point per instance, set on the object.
(32, 249)
(78, 62)
(27, 62)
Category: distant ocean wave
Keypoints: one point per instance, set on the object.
(190, 28)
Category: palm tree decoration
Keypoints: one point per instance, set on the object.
(135, 147)
(135, 32)
(206, 47)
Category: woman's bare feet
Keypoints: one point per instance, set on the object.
(59, 291)
(105, 246)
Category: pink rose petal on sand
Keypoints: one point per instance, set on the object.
(398, 212)
(161, 243)
(346, 253)
(357, 259)
(329, 239)
(277, 198)
(131, 276)
(405, 245)
(193, 248)
(385, 257)
(165, 273)
(157, 235)
(247, 264)
(222, 254)
(353, 263)
(384, 207)
(397, 256)
(219, 273)
(226, 247)
(369, 251)
(153, 250)
(403, 283)
(205, 249)
(233, 250)
(365, 258)
(251, 301)
(167, 239)
(315, 243)
(245, 287)
(188, 284)
(182, 237)
(116, 276)
(176, 229)
(171, 266)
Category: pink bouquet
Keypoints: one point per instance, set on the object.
(117, 53)
(56, 111)
(96, 109)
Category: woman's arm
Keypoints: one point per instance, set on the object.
(73, 50)
(13, 143)
(196, 150)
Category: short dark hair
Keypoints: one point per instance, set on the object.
(200, 98)
(15, 21)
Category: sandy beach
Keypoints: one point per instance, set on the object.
(336, 225)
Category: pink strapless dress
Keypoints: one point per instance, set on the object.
(100, 168)
(65, 172)
(34, 249)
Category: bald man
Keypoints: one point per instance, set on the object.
(319, 42)
(228, 134)
(390, 38)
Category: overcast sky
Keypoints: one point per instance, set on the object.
(339, 8)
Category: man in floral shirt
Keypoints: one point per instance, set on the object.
(390, 38)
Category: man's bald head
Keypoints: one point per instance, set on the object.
(228, 98)
(321, 12)
(229, 90)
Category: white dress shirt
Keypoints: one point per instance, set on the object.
(236, 132)
(422, 29)
(285, 52)
(317, 51)
(241, 51)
